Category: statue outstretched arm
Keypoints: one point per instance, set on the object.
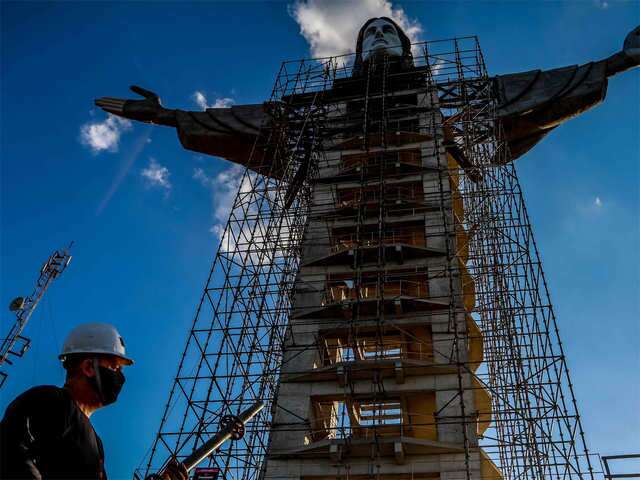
(531, 104)
(229, 133)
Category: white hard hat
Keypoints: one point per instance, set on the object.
(95, 338)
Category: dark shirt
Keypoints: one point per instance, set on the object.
(45, 435)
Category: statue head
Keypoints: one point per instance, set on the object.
(382, 36)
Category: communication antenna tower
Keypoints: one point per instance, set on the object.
(15, 343)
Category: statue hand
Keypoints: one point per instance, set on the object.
(147, 110)
(631, 47)
(628, 57)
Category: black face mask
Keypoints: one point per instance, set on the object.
(107, 383)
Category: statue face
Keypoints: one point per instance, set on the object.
(381, 37)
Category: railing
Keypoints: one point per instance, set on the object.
(363, 421)
(377, 160)
(373, 239)
(374, 349)
(395, 194)
(607, 470)
(373, 290)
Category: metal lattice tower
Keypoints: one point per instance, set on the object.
(15, 344)
(380, 290)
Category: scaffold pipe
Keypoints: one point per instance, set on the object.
(230, 427)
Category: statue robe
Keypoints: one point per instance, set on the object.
(229, 133)
(530, 105)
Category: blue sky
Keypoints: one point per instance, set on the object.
(141, 211)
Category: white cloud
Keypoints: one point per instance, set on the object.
(591, 206)
(201, 176)
(156, 175)
(439, 65)
(331, 28)
(253, 241)
(105, 135)
(602, 4)
(201, 100)
(224, 188)
(225, 102)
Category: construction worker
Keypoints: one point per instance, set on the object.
(46, 431)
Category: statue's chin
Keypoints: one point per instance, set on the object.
(381, 51)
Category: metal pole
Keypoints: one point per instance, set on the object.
(234, 427)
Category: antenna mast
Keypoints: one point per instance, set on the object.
(14, 343)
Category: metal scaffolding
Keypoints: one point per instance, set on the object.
(493, 332)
